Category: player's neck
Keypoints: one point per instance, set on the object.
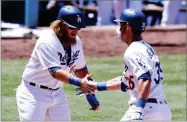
(66, 41)
(133, 38)
(136, 38)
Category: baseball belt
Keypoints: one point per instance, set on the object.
(153, 100)
(43, 87)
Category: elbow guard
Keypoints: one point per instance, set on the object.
(124, 88)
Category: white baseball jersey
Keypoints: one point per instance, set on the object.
(140, 58)
(49, 52)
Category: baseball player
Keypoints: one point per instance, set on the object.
(57, 53)
(143, 74)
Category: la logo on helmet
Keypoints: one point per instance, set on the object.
(78, 18)
(143, 26)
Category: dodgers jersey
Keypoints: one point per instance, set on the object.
(140, 58)
(49, 52)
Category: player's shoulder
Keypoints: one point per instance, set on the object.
(78, 41)
(47, 33)
(135, 48)
(46, 37)
(139, 44)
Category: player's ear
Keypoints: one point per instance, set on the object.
(61, 21)
(128, 28)
(63, 26)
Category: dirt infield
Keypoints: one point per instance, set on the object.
(98, 42)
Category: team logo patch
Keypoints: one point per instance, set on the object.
(150, 52)
(140, 63)
(143, 26)
(78, 18)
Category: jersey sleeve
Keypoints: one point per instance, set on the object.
(138, 64)
(81, 63)
(47, 57)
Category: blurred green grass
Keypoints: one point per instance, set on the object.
(113, 103)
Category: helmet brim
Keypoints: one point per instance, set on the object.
(118, 20)
(81, 25)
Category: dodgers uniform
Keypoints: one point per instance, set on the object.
(140, 58)
(40, 96)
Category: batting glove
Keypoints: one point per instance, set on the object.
(137, 114)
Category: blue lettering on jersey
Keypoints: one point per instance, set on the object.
(126, 68)
(150, 52)
(63, 59)
(159, 73)
(74, 57)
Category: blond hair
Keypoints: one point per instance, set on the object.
(56, 27)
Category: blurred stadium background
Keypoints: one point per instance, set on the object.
(23, 21)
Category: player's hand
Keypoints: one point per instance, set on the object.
(92, 84)
(85, 85)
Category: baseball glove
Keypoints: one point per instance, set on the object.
(91, 98)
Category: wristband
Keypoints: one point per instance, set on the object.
(141, 102)
(101, 86)
(123, 87)
(74, 81)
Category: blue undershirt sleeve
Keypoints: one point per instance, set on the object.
(145, 76)
(52, 70)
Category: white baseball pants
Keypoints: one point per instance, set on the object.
(153, 111)
(36, 104)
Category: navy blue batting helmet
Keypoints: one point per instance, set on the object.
(71, 16)
(135, 18)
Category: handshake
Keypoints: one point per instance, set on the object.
(88, 86)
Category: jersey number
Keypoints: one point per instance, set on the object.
(159, 71)
(130, 82)
(157, 80)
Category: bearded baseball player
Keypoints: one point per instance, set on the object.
(57, 53)
(143, 74)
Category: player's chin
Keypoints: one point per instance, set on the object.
(73, 40)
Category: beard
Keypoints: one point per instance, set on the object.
(68, 39)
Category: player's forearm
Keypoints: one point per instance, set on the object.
(66, 77)
(62, 76)
(82, 73)
(143, 94)
(113, 85)
(144, 88)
